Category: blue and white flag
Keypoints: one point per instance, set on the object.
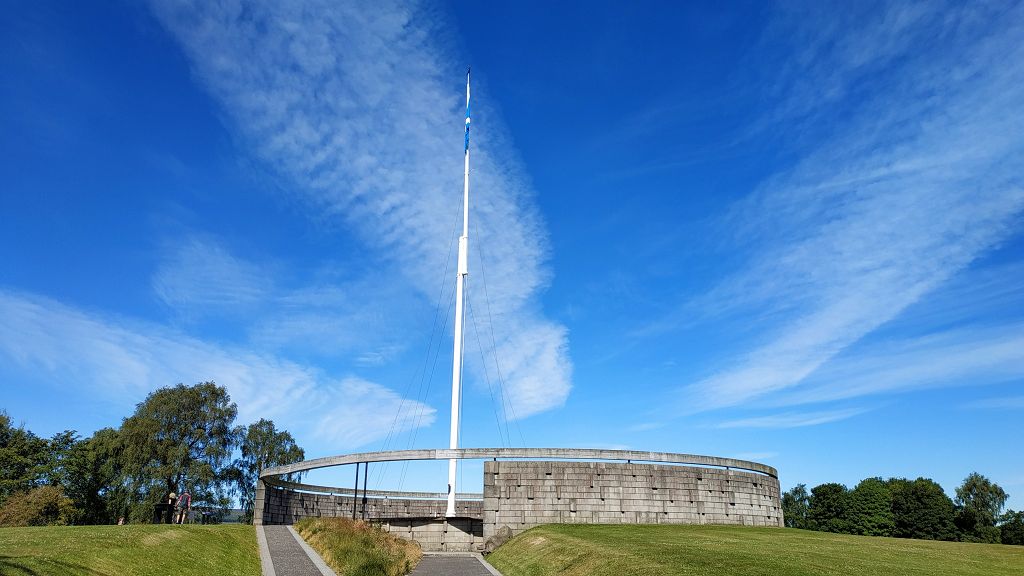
(467, 110)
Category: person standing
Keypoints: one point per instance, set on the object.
(184, 506)
(172, 500)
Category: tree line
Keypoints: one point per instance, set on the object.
(180, 438)
(904, 508)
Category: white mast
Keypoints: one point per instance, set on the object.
(459, 320)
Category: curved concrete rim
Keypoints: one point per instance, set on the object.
(520, 453)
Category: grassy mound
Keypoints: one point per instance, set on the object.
(618, 550)
(157, 550)
(355, 548)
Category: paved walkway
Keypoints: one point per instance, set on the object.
(443, 565)
(282, 553)
(287, 555)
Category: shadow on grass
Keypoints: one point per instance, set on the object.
(15, 566)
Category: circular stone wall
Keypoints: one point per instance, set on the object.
(521, 491)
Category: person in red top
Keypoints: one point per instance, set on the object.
(184, 506)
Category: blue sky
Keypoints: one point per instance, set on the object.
(784, 233)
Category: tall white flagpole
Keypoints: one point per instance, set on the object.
(459, 320)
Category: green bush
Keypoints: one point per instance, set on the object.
(43, 506)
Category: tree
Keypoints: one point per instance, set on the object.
(263, 446)
(180, 438)
(795, 507)
(921, 509)
(23, 458)
(979, 501)
(57, 449)
(829, 506)
(1011, 528)
(93, 479)
(870, 508)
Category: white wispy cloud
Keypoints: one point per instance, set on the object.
(959, 357)
(999, 403)
(913, 187)
(356, 105)
(793, 419)
(199, 276)
(837, 52)
(360, 318)
(986, 296)
(364, 411)
(280, 308)
(123, 360)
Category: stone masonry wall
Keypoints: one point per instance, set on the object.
(439, 534)
(523, 494)
(280, 506)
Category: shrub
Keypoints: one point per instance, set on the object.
(42, 506)
(356, 548)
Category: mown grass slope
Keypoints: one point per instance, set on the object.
(620, 550)
(355, 548)
(157, 550)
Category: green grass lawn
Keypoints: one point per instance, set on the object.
(129, 550)
(618, 550)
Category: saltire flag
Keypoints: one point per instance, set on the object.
(467, 110)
